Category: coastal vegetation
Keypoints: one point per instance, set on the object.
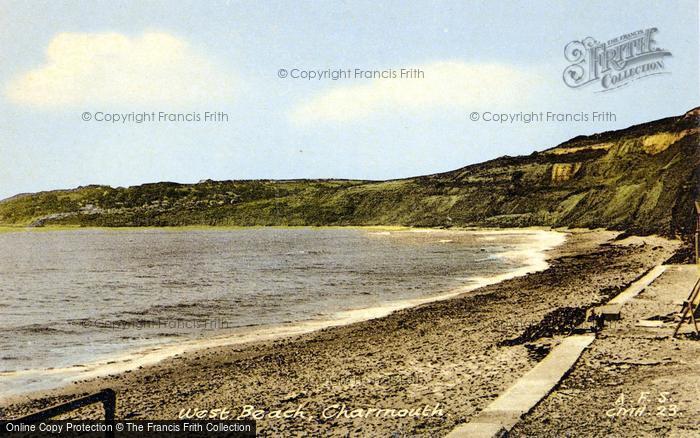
(641, 179)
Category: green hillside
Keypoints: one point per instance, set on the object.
(641, 179)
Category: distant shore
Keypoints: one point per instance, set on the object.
(439, 362)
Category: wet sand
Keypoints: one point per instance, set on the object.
(439, 362)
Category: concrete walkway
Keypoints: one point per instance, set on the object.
(505, 412)
(638, 286)
(632, 358)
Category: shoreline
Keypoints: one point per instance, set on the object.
(535, 254)
(448, 352)
(48, 228)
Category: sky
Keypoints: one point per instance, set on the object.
(68, 66)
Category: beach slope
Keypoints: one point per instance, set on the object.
(441, 362)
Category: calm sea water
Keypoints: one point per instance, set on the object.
(78, 296)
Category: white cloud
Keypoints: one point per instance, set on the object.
(447, 85)
(111, 68)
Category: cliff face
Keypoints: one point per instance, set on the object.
(642, 179)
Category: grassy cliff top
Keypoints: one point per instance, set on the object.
(642, 179)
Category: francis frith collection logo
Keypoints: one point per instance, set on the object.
(615, 63)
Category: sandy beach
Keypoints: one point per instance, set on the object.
(438, 363)
(458, 219)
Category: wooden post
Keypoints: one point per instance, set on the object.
(689, 306)
(697, 232)
(107, 396)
